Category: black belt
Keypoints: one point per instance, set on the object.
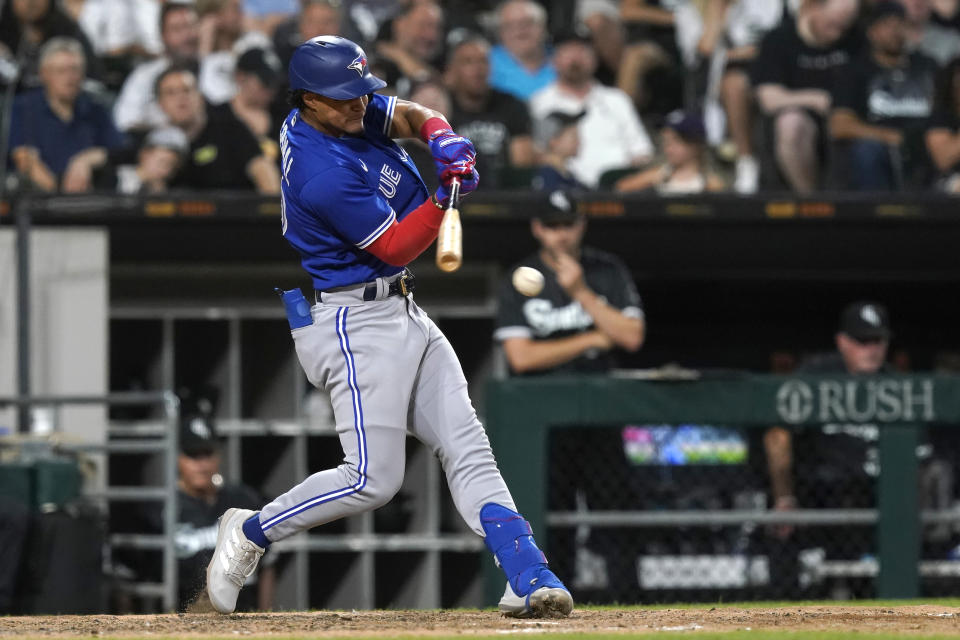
(402, 286)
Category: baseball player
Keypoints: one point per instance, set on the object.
(356, 210)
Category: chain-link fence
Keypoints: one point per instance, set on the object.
(686, 512)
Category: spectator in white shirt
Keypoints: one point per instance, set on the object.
(611, 134)
(122, 27)
(223, 39)
(136, 107)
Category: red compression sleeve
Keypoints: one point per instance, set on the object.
(403, 241)
(431, 126)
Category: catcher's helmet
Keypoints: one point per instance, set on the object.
(334, 67)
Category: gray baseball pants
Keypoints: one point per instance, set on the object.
(388, 369)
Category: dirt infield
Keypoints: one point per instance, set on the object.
(928, 619)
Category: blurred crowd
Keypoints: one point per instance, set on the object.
(671, 96)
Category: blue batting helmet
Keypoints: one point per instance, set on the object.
(334, 67)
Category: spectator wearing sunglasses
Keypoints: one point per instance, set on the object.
(588, 307)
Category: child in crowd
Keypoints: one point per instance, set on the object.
(684, 169)
(562, 142)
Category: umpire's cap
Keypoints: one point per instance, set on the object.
(334, 67)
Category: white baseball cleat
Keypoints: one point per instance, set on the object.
(234, 559)
(545, 602)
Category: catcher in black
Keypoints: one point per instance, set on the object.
(588, 306)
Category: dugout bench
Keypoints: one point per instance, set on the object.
(522, 411)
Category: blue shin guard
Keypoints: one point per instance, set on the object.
(510, 539)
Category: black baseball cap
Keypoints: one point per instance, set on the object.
(198, 437)
(556, 121)
(687, 125)
(262, 63)
(885, 9)
(561, 207)
(865, 320)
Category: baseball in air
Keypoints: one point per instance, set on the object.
(528, 281)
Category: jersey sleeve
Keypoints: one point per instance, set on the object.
(349, 205)
(107, 134)
(511, 322)
(851, 93)
(767, 67)
(518, 119)
(18, 132)
(379, 115)
(244, 146)
(624, 293)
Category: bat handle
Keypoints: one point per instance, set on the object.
(454, 202)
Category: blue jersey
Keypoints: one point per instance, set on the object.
(340, 194)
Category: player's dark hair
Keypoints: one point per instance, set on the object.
(176, 67)
(170, 7)
(295, 98)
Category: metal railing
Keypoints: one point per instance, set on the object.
(166, 444)
(521, 413)
(733, 517)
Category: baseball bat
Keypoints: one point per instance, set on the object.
(450, 236)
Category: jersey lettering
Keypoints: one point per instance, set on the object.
(188, 540)
(326, 222)
(545, 319)
(389, 179)
(285, 152)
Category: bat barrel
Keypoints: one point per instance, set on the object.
(450, 242)
(450, 236)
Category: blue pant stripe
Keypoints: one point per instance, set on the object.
(357, 403)
(358, 428)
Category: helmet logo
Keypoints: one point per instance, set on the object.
(359, 64)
